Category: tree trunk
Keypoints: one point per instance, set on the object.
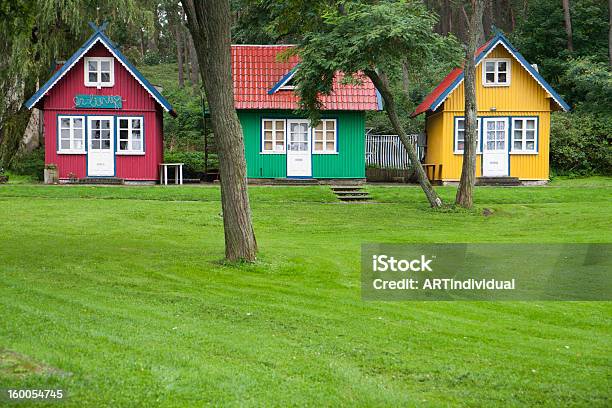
(406, 78)
(465, 191)
(379, 79)
(179, 53)
(195, 68)
(610, 33)
(568, 24)
(186, 56)
(209, 24)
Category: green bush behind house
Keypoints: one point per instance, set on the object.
(580, 144)
(30, 164)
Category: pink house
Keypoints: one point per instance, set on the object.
(102, 118)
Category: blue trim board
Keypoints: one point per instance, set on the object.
(500, 38)
(286, 78)
(99, 35)
(379, 100)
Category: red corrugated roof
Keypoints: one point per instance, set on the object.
(255, 70)
(443, 86)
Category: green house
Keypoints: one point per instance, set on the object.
(280, 144)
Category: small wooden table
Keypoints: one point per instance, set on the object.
(433, 167)
(178, 173)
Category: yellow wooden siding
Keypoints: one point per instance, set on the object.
(523, 94)
(524, 97)
(435, 144)
(523, 166)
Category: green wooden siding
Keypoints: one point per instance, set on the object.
(348, 163)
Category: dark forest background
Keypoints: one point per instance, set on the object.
(569, 40)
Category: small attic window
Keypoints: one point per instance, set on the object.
(289, 85)
(99, 71)
(496, 72)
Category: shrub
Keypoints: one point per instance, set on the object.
(194, 162)
(30, 164)
(152, 58)
(580, 144)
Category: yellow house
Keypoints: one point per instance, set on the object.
(514, 105)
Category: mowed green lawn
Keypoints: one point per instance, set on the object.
(122, 290)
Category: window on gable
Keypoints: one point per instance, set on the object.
(496, 72)
(99, 71)
(325, 136)
(289, 85)
(524, 132)
(130, 135)
(273, 137)
(70, 134)
(460, 135)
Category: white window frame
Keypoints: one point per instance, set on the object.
(325, 150)
(523, 139)
(496, 71)
(275, 141)
(456, 149)
(130, 139)
(99, 84)
(72, 149)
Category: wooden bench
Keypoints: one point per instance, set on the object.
(433, 167)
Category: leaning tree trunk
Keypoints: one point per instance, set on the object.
(465, 191)
(568, 25)
(380, 81)
(209, 24)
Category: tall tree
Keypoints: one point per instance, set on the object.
(34, 33)
(568, 25)
(465, 191)
(209, 24)
(371, 38)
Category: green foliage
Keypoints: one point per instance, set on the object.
(580, 144)
(541, 38)
(151, 57)
(186, 131)
(194, 161)
(589, 84)
(363, 36)
(30, 164)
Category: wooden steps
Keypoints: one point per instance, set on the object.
(101, 180)
(351, 193)
(498, 181)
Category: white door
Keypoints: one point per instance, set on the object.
(495, 147)
(299, 159)
(100, 146)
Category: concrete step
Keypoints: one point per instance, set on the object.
(350, 193)
(498, 181)
(101, 180)
(346, 188)
(354, 198)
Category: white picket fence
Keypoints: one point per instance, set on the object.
(388, 152)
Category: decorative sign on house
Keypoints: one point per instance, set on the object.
(514, 104)
(98, 101)
(102, 118)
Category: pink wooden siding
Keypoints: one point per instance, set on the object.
(136, 102)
